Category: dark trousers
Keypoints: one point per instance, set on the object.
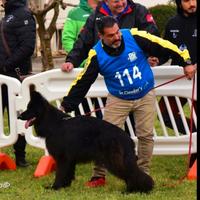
(20, 145)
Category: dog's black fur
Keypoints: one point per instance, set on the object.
(82, 139)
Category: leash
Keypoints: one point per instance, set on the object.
(101, 108)
(170, 81)
(191, 124)
(180, 180)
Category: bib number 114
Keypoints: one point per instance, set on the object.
(126, 74)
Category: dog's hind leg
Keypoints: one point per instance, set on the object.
(64, 174)
(126, 169)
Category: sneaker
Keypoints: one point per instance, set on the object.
(96, 182)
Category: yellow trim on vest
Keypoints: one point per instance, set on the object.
(165, 43)
(91, 54)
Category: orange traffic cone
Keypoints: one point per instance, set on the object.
(45, 166)
(6, 162)
(192, 174)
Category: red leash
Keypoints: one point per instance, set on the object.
(100, 108)
(191, 125)
(179, 77)
(190, 141)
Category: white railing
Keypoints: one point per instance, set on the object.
(14, 89)
(53, 84)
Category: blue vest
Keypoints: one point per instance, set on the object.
(127, 76)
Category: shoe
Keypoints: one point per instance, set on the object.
(22, 163)
(96, 182)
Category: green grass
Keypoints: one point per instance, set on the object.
(166, 171)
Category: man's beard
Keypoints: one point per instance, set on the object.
(190, 14)
(115, 46)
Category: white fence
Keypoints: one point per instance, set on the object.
(14, 89)
(53, 84)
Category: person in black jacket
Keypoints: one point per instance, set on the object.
(17, 43)
(181, 29)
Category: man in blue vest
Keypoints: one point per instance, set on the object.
(120, 56)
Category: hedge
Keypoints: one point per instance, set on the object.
(161, 14)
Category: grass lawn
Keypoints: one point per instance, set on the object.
(166, 170)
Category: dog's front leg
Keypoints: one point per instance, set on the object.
(64, 174)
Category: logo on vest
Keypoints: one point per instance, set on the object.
(131, 92)
(132, 56)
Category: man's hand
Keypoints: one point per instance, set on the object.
(66, 106)
(67, 67)
(190, 71)
(153, 61)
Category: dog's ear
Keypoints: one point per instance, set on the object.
(35, 95)
(38, 97)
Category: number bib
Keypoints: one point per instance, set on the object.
(127, 76)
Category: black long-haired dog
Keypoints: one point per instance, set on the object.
(71, 140)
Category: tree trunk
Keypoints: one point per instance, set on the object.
(45, 34)
(45, 44)
(46, 53)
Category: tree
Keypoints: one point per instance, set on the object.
(46, 33)
(172, 2)
(161, 14)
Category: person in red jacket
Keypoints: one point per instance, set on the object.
(128, 15)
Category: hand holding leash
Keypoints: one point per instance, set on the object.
(153, 61)
(190, 71)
